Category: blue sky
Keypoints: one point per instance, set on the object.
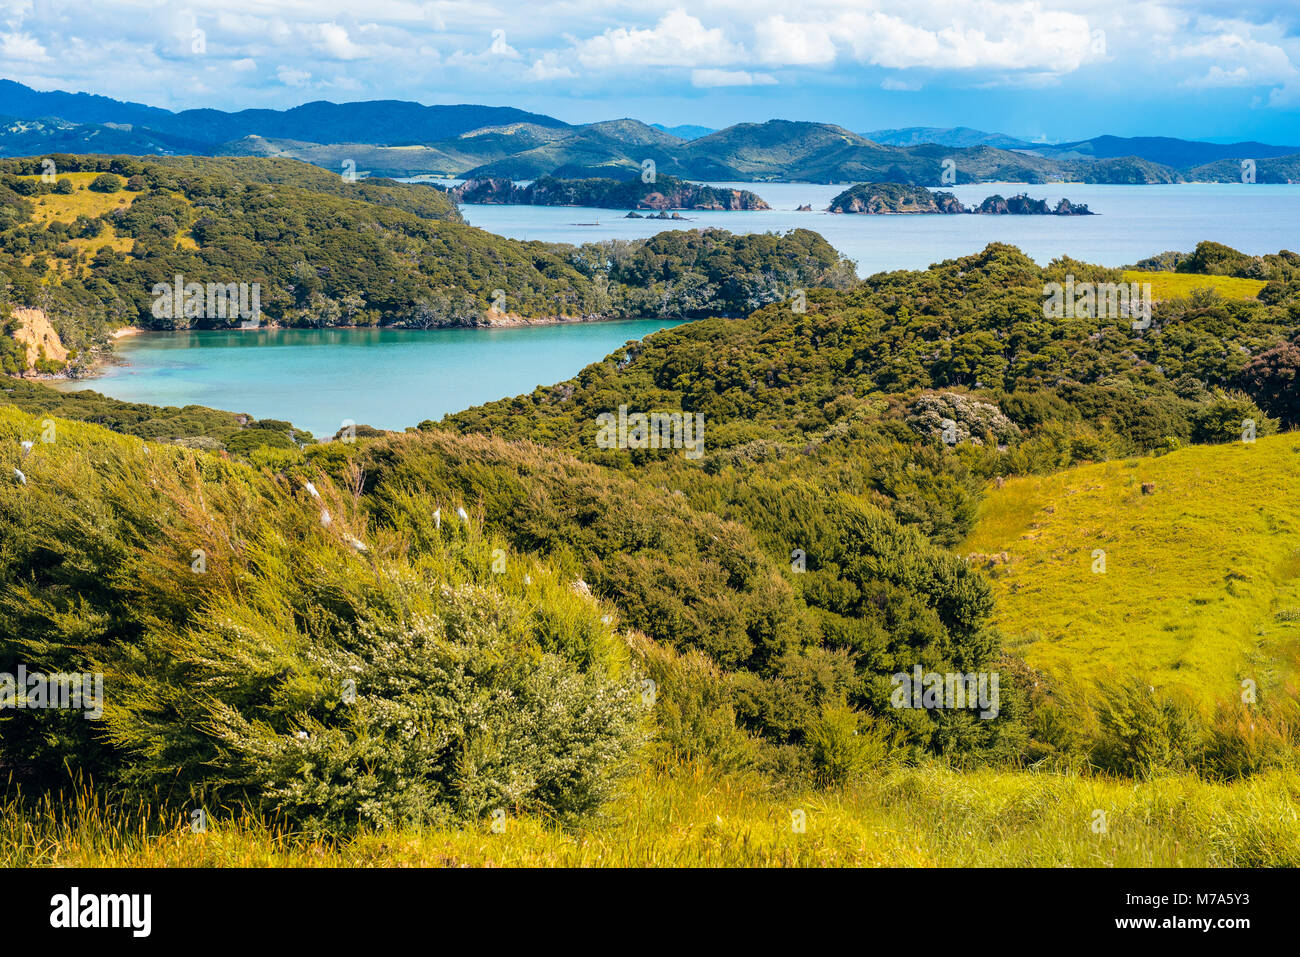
(1031, 68)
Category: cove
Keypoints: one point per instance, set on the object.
(387, 378)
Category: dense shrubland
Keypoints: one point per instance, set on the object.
(769, 590)
(228, 617)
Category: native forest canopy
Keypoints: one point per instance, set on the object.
(90, 247)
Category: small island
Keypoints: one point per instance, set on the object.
(665, 193)
(892, 199)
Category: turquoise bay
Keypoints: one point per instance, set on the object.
(387, 378)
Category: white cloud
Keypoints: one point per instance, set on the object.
(712, 78)
(244, 66)
(333, 40)
(21, 46)
(790, 44)
(549, 68)
(990, 36)
(1241, 59)
(678, 39)
(291, 77)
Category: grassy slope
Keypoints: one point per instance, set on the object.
(917, 817)
(1171, 285)
(1202, 581)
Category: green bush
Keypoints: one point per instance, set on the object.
(105, 183)
(255, 655)
(1142, 733)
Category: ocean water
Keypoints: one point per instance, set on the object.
(1133, 222)
(388, 378)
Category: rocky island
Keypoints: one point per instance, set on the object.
(665, 193)
(886, 199)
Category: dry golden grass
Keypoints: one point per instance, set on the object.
(913, 817)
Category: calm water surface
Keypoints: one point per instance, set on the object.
(1133, 222)
(388, 378)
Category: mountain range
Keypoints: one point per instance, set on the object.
(397, 138)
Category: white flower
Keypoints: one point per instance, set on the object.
(325, 517)
(311, 490)
(20, 476)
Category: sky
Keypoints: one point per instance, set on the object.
(1037, 69)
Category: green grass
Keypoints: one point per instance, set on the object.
(1201, 587)
(914, 817)
(1172, 285)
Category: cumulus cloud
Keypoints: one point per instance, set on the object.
(1238, 58)
(21, 46)
(333, 40)
(711, 78)
(291, 77)
(549, 68)
(678, 39)
(793, 44)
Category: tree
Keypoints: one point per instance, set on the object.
(1272, 379)
(106, 183)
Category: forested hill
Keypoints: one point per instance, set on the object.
(900, 198)
(663, 192)
(91, 244)
(771, 384)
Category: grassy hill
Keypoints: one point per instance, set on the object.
(1171, 285)
(1201, 588)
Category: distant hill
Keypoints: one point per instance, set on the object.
(23, 137)
(397, 138)
(686, 132)
(390, 122)
(955, 136)
(1165, 150)
(1281, 169)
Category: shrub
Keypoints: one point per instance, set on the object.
(845, 744)
(106, 183)
(1142, 734)
(1224, 418)
(1272, 379)
(255, 656)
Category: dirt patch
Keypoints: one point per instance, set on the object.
(36, 333)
